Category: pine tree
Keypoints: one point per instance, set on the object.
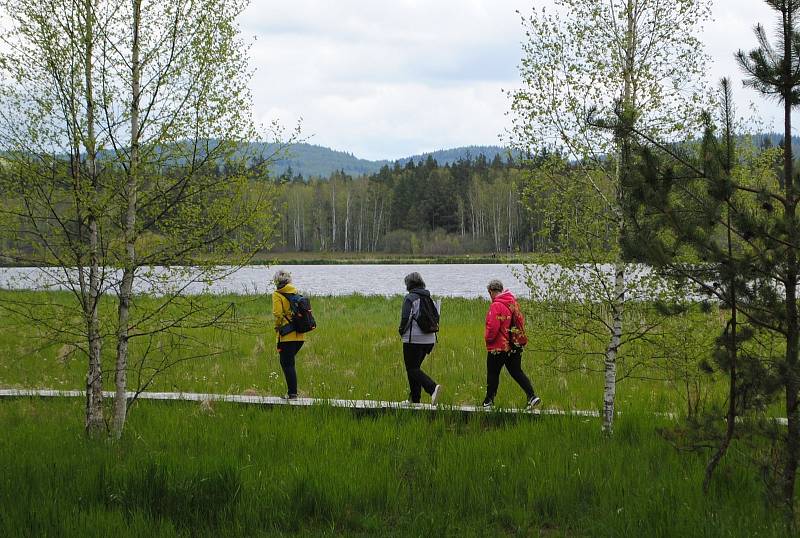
(729, 225)
(775, 72)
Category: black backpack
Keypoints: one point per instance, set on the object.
(428, 317)
(302, 317)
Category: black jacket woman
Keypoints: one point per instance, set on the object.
(417, 344)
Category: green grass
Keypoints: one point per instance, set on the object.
(355, 353)
(248, 471)
(183, 469)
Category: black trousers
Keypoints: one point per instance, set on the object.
(512, 360)
(413, 355)
(287, 352)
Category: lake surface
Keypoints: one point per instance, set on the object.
(445, 280)
(448, 280)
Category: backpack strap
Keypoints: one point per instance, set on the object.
(411, 318)
(286, 296)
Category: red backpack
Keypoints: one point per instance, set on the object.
(516, 331)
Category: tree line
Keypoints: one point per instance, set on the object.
(472, 205)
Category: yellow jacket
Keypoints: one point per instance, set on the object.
(282, 312)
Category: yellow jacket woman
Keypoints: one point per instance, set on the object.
(288, 344)
(282, 312)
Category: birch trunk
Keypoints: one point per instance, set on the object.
(360, 221)
(347, 223)
(610, 378)
(373, 230)
(510, 226)
(95, 421)
(333, 215)
(378, 228)
(129, 231)
(623, 162)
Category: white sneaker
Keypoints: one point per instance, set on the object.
(435, 395)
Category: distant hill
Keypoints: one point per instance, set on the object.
(449, 156)
(310, 160)
(775, 139)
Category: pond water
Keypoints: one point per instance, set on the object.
(448, 280)
(445, 280)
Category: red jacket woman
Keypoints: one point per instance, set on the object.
(498, 322)
(499, 335)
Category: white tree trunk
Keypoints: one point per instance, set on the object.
(360, 220)
(378, 228)
(333, 215)
(618, 301)
(94, 377)
(129, 231)
(347, 223)
(510, 221)
(610, 384)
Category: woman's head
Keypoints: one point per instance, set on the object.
(414, 281)
(282, 278)
(495, 286)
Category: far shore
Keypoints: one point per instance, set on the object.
(361, 258)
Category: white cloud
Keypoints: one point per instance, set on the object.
(386, 79)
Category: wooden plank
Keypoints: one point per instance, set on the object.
(274, 400)
(305, 402)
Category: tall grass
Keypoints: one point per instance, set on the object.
(356, 354)
(185, 470)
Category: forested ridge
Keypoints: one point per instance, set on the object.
(310, 160)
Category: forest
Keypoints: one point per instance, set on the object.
(420, 207)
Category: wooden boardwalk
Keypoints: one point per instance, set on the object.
(300, 402)
(306, 402)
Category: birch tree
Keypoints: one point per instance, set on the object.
(176, 104)
(170, 103)
(55, 190)
(640, 59)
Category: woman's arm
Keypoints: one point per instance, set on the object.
(405, 314)
(492, 323)
(277, 310)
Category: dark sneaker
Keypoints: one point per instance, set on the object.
(435, 394)
(289, 396)
(533, 401)
(488, 404)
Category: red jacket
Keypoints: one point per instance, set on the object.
(498, 322)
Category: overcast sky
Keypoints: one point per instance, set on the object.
(385, 79)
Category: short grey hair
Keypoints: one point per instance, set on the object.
(281, 278)
(414, 280)
(495, 285)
